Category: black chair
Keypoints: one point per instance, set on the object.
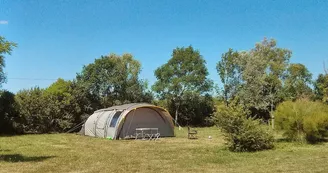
(192, 133)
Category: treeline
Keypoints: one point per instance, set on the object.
(258, 80)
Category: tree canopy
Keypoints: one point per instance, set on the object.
(297, 82)
(256, 77)
(257, 80)
(6, 47)
(184, 73)
(114, 80)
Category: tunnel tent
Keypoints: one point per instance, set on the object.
(119, 122)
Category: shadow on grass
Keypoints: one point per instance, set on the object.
(302, 142)
(283, 140)
(21, 158)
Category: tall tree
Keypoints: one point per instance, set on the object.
(5, 48)
(297, 82)
(114, 80)
(263, 68)
(254, 78)
(229, 73)
(184, 73)
(321, 88)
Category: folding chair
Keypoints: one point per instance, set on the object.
(192, 134)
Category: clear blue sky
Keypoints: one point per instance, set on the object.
(56, 38)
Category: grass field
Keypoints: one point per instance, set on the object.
(74, 153)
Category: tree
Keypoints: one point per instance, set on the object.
(184, 73)
(60, 109)
(254, 78)
(229, 73)
(263, 69)
(32, 106)
(114, 80)
(8, 113)
(297, 82)
(321, 88)
(57, 108)
(5, 48)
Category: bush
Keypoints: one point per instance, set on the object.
(242, 133)
(8, 113)
(303, 120)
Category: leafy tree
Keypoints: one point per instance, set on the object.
(195, 109)
(255, 78)
(229, 73)
(5, 48)
(69, 104)
(32, 107)
(57, 108)
(114, 80)
(297, 82)
(321, 88)
(263, 68)
(8, 113)
(184, 73)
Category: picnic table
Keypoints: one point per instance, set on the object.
(144, 133)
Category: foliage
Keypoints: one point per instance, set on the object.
(8, 113)
(242, 133)
(229, 73)
(321, 88)
(195, 109)
(262, 71)
(303, 120)
(297, 82)
(255, 78)
(55, 109)
(31, 106)
(5, 48)
(114, 80)
(184, 73)
(62, 107)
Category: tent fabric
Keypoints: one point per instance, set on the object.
(119, 122)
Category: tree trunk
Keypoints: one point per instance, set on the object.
(272, 115)
(176, 116)
(226, 95)
(272, 121)
(226, 99)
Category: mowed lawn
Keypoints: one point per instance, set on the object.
(74, 153)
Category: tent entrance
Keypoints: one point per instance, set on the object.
(143, 117)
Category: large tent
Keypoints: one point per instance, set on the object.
(119, 122)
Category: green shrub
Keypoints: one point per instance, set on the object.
(242, 133)
(303, 120)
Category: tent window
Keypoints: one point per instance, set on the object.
(115, 118)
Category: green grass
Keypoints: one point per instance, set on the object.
(74, 153)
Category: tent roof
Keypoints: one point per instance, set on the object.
(130, 106)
